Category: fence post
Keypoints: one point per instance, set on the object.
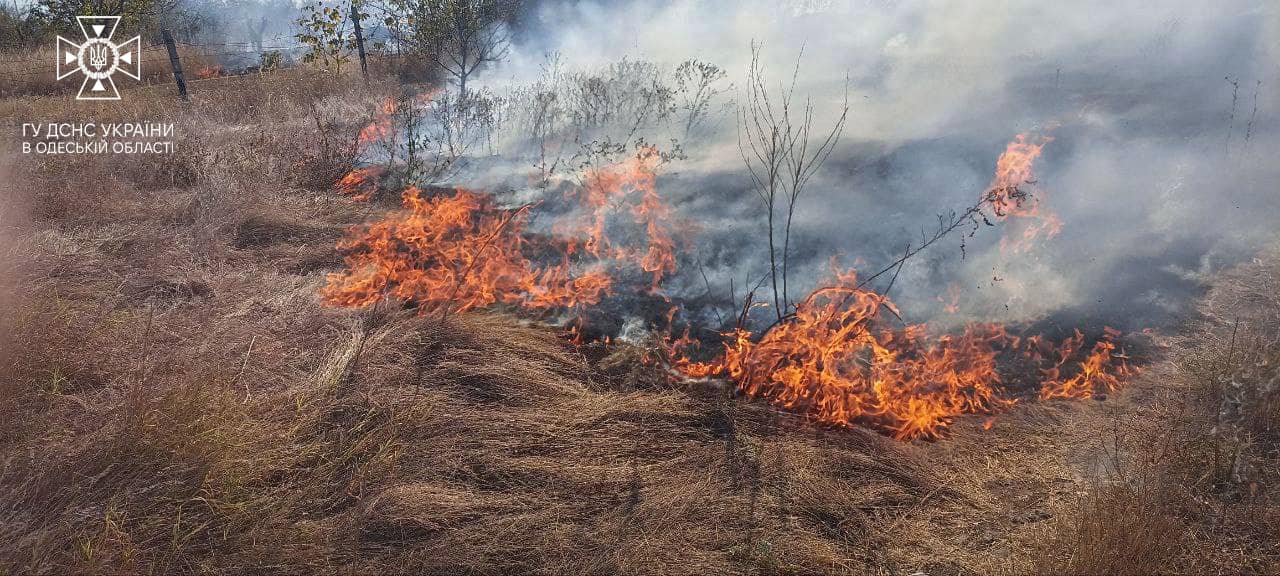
(174, 63)
(355, 18)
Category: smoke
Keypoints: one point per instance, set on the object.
(1163, 118)
(237, 32)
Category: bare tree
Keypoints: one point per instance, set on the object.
(774, 140)
(461, 36)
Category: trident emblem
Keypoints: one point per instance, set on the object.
(98, 58)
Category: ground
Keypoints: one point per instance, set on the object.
(177, 399)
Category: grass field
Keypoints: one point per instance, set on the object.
(176, 399)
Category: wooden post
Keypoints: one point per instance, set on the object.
(355, 18)
(173, 62)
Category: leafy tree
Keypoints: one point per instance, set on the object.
(459, 36)
(18, 28)
(327, 32)
(144, 17)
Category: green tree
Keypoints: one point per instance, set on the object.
(18, 27)
(136, 16)
(327, 32)
(459, 36)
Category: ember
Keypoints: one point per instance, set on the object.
(361, 183)
(209, 71)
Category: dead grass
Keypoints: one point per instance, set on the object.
(1187, 481)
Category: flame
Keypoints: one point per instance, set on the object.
(604, 191)
(1097, 373)
(951, 303)
(837, 359)
(462, 251)
(381, 127)
(1030, 221)
(839, 362)
(361, 183)
(459, 252)
(659, 257)
(209, 71)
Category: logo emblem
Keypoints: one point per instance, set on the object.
(98, 58)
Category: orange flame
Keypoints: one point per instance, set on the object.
(361, 183)
(380, 128)
(604, 191)
(1098, 372)
(463, 248)
(1032, 222)
(209, 71)
(951, 304)
(840, 363)
(838, 360)
(654, 214)
(457, 251)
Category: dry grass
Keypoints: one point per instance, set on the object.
(174, 399)
(1187, 480)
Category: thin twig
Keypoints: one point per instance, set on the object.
(945, 228)
(707, 282)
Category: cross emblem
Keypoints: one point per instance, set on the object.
(98, 58)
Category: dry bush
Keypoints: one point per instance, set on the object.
(333, 148)
(552, 120)
(1128, 520)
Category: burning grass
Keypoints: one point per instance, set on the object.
(398, 441)
(835, 358)
(837, 362)
(457, 252)
(841, 362)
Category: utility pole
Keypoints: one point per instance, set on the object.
(174, 63)
(355, 18)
